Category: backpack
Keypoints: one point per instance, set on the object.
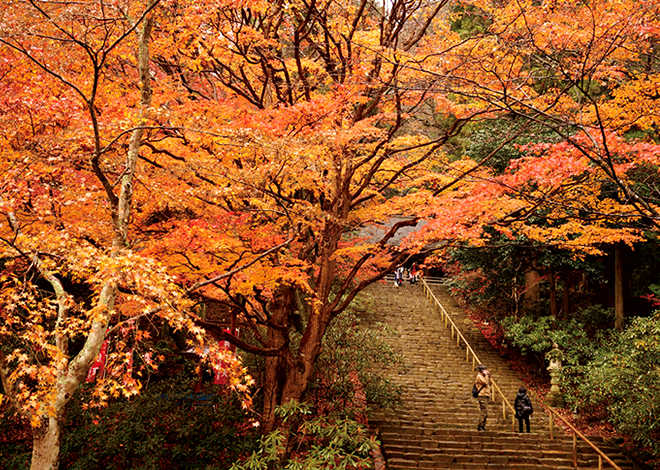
(476, 391)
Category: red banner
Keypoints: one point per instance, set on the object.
(98, 364)
(221, 377)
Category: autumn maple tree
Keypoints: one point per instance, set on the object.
(295, 137)
(76, 101)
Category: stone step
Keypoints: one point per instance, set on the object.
(520, 456)
(455, 438)
(452, 464)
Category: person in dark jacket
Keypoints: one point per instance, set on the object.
(523, 407)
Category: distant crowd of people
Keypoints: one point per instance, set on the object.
(401, 273)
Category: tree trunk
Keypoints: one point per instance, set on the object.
(285, 384)
(274, 376)
(276, 371)
(532, 286)
(287, 379)
(46, 446)
(565, 296)
(294, 388)
(288, 375)
(553, 294)
(619, 312)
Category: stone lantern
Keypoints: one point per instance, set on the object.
(554, 396)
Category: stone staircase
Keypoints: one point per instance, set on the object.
(436, 425)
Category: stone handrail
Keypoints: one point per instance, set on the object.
(576, 434)
(455, 332)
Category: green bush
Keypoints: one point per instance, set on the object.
(320, 442)
(532, 334)
(529, 334)
(595, 318)
(168, 426)
(624, 377)
(536, 335)
(15, 455)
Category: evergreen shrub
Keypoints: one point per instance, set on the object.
(618, 372)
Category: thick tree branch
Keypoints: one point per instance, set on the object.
(218, 330)
(227, 274)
